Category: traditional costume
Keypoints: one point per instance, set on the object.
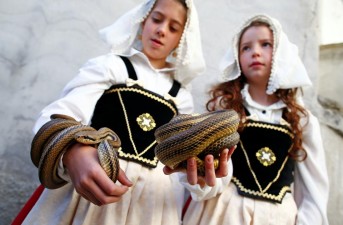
(122, 91)
(265, 185)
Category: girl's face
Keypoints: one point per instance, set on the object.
(162, 30)
(255, 54)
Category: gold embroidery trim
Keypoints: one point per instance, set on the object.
(254, 175)
(265, 195)
(129, 130)
(127, 155)
(144, 93)
(272, 127)
(138, 156)
(262, 192)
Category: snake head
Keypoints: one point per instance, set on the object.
(110, 136)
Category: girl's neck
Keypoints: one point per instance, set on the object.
(158, 64)
(259, 95)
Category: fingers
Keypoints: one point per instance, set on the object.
(89, 178)
(105, 191)
(192, 174)
(94, 193)
(89, 197)
(210, 172)
(222, 170)
(210, 175)
(97, 188)
(231, 150)
(167, 170)
(122, 178)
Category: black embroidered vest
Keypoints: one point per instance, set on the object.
(134, 113)
(262, 166)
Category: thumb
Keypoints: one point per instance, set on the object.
(122, 178)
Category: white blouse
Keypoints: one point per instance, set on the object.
(80, 95)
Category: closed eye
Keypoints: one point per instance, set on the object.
(175, 28)
(156, 20)
(267, 44)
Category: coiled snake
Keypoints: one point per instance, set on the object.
(185, 136)
(188, 135)
(54, 138)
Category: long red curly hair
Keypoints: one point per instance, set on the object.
(227, 95)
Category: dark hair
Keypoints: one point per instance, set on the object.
(182, 2)
(227, 95)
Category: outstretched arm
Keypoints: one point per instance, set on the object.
(89, 178)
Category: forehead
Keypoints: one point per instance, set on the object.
(257, 32)
(171, 8)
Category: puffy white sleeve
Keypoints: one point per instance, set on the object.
(199, 193)
(311, 185)
(80, 95)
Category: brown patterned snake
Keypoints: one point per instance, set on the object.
(57, 135)
(188, 135)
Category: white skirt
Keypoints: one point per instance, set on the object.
(154, 199)
(230, 208)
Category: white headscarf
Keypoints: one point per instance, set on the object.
(189, 62)
(287, 70)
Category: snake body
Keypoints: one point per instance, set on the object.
(55, 137)
(188, 135)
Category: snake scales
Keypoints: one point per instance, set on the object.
(54, 138)
(183, 137)
(198, 135)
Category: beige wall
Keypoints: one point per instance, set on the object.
(330, 99)
(331, 21)
(330, 94)
(43, 43)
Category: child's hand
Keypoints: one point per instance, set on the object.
(89, 178)
(210, 173)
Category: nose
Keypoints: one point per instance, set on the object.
(256, 51)
(161, 29)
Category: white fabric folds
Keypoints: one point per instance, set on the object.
(122, 36)
(287, 71)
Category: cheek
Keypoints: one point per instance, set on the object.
(270, 55)
(175, 41)
(145, 30)
(147, 27)
(242, 62)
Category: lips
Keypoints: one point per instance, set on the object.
(156, 42)
(256, 64)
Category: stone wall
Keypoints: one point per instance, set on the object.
(43, 43)
(330, 100)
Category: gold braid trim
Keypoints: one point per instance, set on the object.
(138, 155)
(270, 126)
(159, 99)
(261, 194)
(125, 155)
(253, 173)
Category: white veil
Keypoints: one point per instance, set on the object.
(287, 71)
(189, 62)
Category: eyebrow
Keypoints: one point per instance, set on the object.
(173, 20)
(265, 39)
